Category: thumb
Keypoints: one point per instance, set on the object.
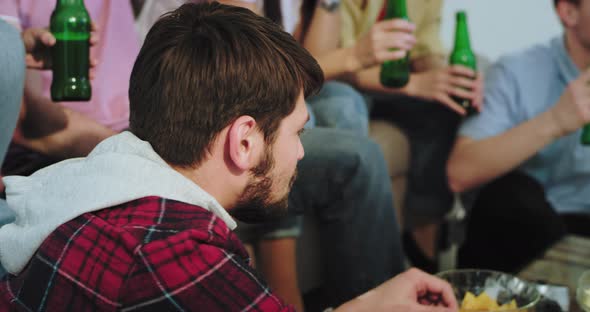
(47, 38)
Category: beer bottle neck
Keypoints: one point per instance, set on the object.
(63, 3)
(396, 9)
(462, 33)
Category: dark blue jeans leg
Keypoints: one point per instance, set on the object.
(344, 179)
(431, 129)
(340, 106)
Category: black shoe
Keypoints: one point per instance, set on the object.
(416, 256)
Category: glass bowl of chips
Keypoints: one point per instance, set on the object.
(485, 290)
(583, 291)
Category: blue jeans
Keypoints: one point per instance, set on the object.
(431, 129)
(11, 91)
(340, 106)
(344, 180)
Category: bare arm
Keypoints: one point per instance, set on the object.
(428, 62)
(79, 136)
(322, 40)
(279, 267)
(39, 115)
(323, 34)
(475, 162)
(77, 139)
(49, 128)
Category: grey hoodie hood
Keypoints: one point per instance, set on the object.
(120, 169)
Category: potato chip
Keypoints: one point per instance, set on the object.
(484, 302)
(508, 306)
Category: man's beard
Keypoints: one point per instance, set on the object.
(255, 205)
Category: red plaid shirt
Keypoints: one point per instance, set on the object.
(151, 254)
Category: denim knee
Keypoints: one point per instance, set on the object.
(371, 169)
(340, 106)
(289, 226)
(355, 172)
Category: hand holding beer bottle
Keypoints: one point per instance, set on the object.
(387, 40)
(464, 56)
(396, 73)
(443, 84)
(38, 43)
(457, 86)
(572, 110)
(70, 24)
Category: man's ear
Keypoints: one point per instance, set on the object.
(568, 13)
(245, 143)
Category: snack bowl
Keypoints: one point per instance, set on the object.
(500, 287)
(583, 291)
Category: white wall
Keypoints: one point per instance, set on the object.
(501, 26)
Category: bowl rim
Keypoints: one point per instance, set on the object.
(584, 276)
(525, 307)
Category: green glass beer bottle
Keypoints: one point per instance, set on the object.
(396, 73)
(462, 55)
(70, 24)
(585, 137)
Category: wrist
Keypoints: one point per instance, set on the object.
(351, 61)
(358, 304)
(348, 306)
(411, 88)
(553, 124)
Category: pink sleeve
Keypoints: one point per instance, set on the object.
(9, 12)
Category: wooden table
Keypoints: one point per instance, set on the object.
(562, 264)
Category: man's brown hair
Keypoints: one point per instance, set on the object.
(576, 2)
(204, 65)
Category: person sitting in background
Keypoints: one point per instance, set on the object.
(88, 123)
(145, 221)
(524, 149)
(423, 108)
